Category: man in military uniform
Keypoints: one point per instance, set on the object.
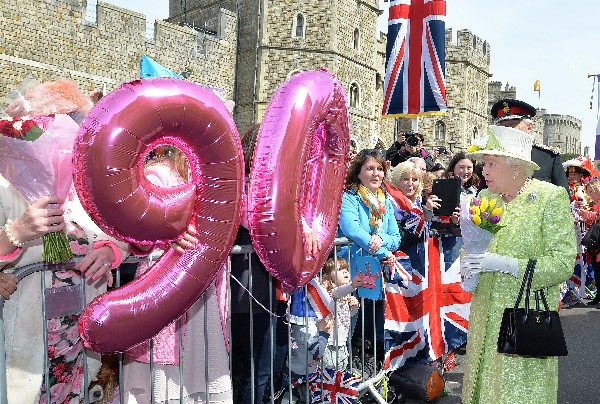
(517, 114)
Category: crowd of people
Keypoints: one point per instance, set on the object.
(388, 207)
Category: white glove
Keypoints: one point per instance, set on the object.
(500, 263)
(470, 265)
(470, 284)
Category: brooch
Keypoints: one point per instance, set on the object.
(532, 197)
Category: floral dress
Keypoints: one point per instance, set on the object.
(65, 349)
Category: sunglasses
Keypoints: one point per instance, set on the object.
(372, 152)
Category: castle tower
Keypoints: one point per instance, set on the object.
(562, 132)
(279, 38)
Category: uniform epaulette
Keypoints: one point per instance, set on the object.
(547, 149)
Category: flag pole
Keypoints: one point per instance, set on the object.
(596, 143)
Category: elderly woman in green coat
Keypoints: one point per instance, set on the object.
(537, 224)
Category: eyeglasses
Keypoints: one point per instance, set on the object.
(372, 152)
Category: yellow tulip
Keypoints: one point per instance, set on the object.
(484, 204)
(497, 211)
(475, 210)
(492, 203)
(476, 220)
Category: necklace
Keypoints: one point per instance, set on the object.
(525, 184)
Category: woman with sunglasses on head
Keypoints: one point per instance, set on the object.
(367, 219)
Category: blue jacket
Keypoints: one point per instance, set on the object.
(354, 224)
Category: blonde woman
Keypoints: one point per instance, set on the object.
(405, 188)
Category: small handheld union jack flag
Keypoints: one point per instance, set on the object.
(333, 386)
(415, 59)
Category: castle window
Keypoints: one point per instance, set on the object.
(378, 81)
(485, 46)
(476, 99)
(354, 96)
(440, 132)
(474, 42)
(299, 26)
(356, 38)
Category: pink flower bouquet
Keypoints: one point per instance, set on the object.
(35, 157)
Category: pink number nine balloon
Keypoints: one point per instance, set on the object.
(109, 156)
(298, 172)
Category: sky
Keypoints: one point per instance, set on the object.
(551, 41)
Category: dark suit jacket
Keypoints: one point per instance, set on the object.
(551, 169)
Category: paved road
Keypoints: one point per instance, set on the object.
(577, 373)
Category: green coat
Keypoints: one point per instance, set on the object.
(538, 224)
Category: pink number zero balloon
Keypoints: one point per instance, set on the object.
(109, 155)
(298, 172)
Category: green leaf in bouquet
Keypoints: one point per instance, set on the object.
(33, 134)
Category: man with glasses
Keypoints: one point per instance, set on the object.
(517, 114)
(407, 145)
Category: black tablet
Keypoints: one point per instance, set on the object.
(448, 190)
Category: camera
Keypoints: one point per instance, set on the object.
(411, 139)
(442, 150)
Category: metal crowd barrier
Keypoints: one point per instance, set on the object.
(366, 385)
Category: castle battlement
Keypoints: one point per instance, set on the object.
(465, 40)
(562, 120)
(52, 39)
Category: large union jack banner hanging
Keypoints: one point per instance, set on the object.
(415, 59)
(428, 319)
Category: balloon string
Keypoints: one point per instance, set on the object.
(257, 302)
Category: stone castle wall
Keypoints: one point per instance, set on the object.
(562, 132)
(51, 39)
(269, 53)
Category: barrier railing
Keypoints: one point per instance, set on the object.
(277, 320)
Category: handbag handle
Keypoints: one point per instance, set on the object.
(526, 283)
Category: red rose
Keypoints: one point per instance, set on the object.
(27, 125)
(7, 129)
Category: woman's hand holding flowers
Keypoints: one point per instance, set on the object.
(472, 264)
(38, 220)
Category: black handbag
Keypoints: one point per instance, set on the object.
(591, 239)
(531, 333)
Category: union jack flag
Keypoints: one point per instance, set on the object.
(332, 386)
(575, 278)
(429, 318)
(319, 299)
(320, 303)
(415, 59)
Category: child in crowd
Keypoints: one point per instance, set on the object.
(336, 279)
(309, 340)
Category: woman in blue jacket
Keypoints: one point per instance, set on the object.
(367, 219)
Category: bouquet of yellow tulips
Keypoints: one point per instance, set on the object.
(479, 222)
(486, 214)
